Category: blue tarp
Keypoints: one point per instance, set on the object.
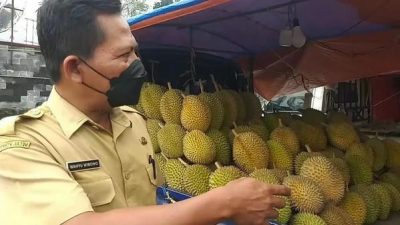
(163, 10)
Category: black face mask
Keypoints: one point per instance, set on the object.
(125, 89)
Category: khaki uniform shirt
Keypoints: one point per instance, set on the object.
(56, 163)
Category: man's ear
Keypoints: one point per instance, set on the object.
(72, 68)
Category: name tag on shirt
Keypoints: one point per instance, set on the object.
(83, 165)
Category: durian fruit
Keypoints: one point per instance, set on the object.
(230, 106)
(363, 151)
(333, 152)
(286, 117)
(195, 114)
(314, 136)
(249, 151)
(170, 138)
(241, 107)
(261, 130)
(195, 179)
(240, 129)
(223, 175)
(379, 152)
(391, 178)
(341, 135)
(287, 137)
(394, 195)
(253, 106)
(150, 98)
(306, 195)
(385, 200)
(271, 121)
(313, 117)
(171, 105)
(343, 168)
(265, 175)
(371, 201)
(280, 173)
(153, 126)
(326, 175)
(223, 148)
(280, 157)
(355, 206)
(286, 212)
(161, 161)
(216, 107)
(306, 219)
(199, 148)
(336, 117)
(333, 215)
(393, 150)
(302, 156)
(174, 170)
(139, 108)
(360, 171)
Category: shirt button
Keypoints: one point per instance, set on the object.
(127, 176)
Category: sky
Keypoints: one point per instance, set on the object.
(25, 28)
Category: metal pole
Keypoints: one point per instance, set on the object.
(12, 30)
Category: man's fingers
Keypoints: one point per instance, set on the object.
(278, 202)
(278, 190)
(271, 214)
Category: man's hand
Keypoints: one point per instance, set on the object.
(253, 202)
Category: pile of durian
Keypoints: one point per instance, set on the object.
(337, 175)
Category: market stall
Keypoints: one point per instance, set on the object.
(331, 41)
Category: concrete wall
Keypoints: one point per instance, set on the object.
(24, 82)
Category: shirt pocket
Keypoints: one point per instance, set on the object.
(158, 180)
(98, 186)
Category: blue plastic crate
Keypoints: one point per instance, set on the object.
(164, 194)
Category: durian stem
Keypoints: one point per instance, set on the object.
(183, 95)
(308, 148)
(234, 132)
(218, 165)
(183, 162)
(160, 125)
(234, 124)
(201, 86)
(280, 122)
(163, 155)
(324, 125)
(169, 85)
(214, 82)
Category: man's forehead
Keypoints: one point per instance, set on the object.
(116, 31)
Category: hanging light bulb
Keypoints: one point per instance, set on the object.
(299, 39)
(285, 37)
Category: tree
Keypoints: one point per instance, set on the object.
(134, 7)
(162, 3)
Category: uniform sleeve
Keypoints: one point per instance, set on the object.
(34, 188)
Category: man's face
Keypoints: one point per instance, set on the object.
(112, 56)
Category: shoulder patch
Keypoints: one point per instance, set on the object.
(14, 144)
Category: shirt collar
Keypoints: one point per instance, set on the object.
(71, 119)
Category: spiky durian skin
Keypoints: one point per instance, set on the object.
(306, 195)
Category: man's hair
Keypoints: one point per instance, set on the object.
(69, 27)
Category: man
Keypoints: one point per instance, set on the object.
(80, 158)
